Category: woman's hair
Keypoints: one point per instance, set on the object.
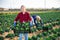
(38, 17)
(22, 6)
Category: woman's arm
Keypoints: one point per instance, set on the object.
(29, 17)
(16, 19)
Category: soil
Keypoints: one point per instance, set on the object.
(30, 34)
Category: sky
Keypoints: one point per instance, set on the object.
(30, 3)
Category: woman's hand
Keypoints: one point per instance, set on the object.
(14, 23)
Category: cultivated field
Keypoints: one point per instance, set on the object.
(50, 30)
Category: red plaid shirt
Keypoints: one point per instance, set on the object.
(23, 17)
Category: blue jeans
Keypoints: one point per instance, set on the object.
(25, 35)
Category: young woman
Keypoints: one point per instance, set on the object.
(35, 20)
(23, 17)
